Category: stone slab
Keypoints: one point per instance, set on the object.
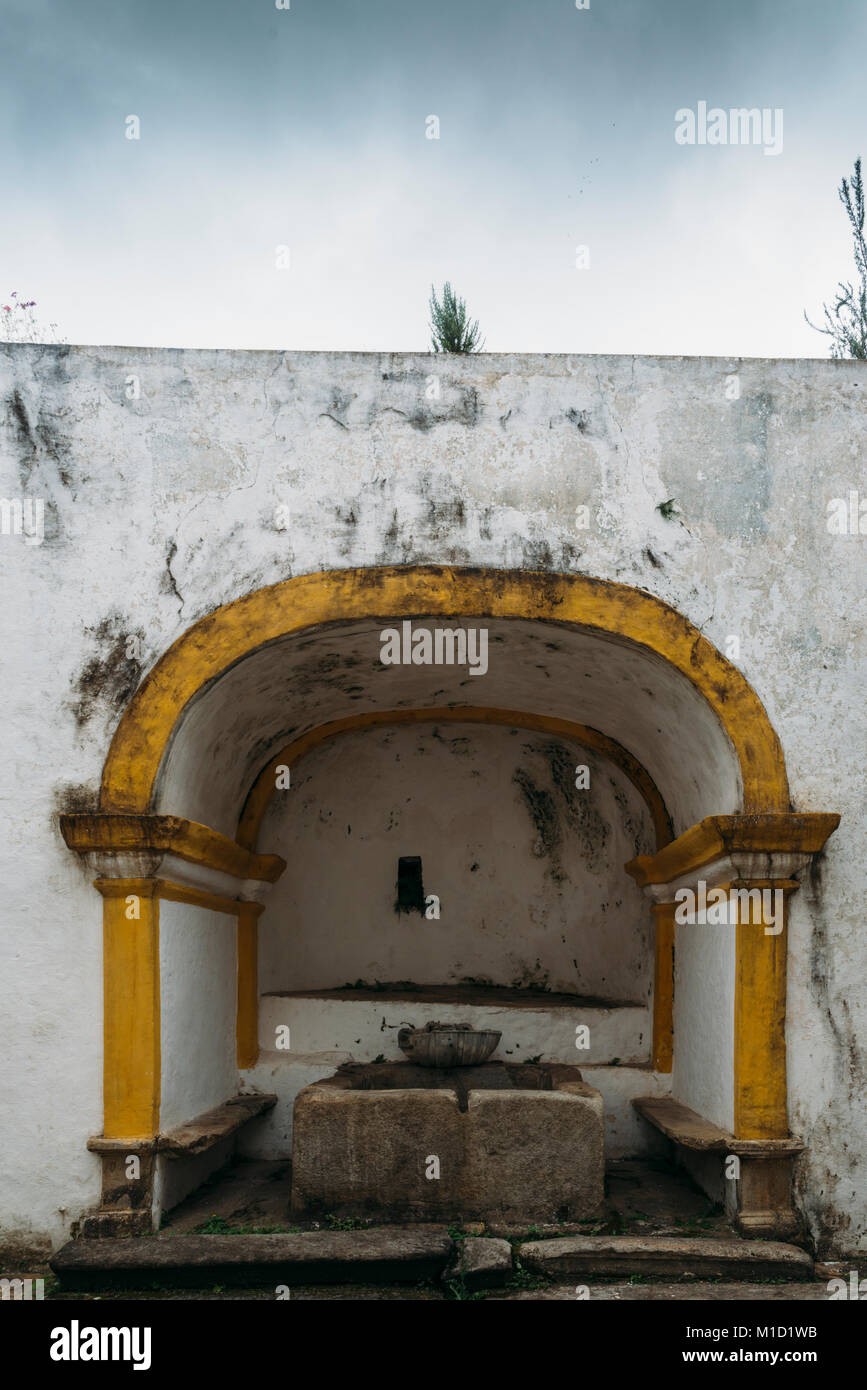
(576, 1256)
(213, 1126)
(670, 1293)
(196, 1136)
(481, 1263)
(677, 1122)
(387, 1255)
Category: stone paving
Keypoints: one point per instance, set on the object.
(649, 1206)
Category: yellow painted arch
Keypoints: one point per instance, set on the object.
(215, 643)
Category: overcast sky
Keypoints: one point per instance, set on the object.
(306, 128)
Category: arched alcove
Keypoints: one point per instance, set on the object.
(568, 669)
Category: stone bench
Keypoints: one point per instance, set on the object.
(759, 1199)
(185, 1155)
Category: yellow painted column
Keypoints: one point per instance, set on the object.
(131, 1009)
(663, 986)
(247, 1023)
(760, 1110)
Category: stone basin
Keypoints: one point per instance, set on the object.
(448, 1045)
(508, 1141)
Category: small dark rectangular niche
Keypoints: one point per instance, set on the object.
(410, 889)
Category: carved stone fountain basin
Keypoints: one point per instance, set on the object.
(508, 1141)
(448, 1044)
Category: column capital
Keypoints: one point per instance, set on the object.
(720, 850)
(120, 847)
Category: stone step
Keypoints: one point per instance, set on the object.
(386, 1255)
(407, 1254)
(672, 1257)
(693, 1292)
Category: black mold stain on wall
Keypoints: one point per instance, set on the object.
(543, 812)
(560, 806)
(75, 798)
(38, 439)
(111, 677)
(832, 1130)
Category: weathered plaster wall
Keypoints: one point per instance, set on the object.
(164, 475)
(528, 869)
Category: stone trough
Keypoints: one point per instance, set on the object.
(500, 1141)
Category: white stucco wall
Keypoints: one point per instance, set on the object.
(704, 1016)
(528, 868)
(161, 505)
(198, 990)
(365, 1025)
(51, 1012)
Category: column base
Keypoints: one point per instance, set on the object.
(762, 1197)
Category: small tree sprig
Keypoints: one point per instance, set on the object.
(450, 329)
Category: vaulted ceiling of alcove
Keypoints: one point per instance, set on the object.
(229, 732)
